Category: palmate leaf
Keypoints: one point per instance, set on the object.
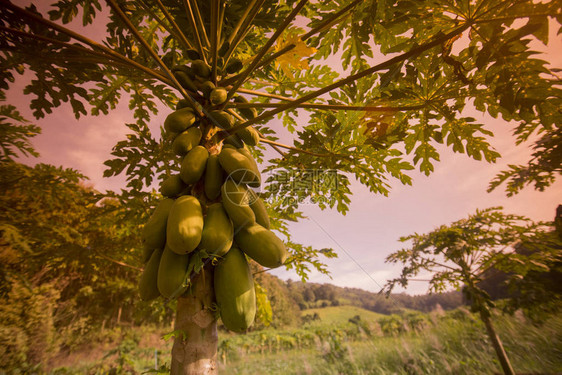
(67, 10)
(15, 134)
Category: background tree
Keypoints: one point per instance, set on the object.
(459, 255)
(374, 125)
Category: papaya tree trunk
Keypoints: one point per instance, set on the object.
(496, 342)
(196, 352)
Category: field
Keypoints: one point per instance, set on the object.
(410, 343)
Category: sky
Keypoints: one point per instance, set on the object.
(370, 230)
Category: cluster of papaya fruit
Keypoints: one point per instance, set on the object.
(209, 207)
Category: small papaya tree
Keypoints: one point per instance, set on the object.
(460, 255)
(226, 68)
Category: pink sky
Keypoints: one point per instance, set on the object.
(370, 231)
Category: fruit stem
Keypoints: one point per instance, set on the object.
(265, 48)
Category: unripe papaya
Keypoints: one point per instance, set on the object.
(193, 54)
(258, 206)
(234, 140)
(262, 245)
(249, 135)
(249, 113)
(235, 202)
(184, 80)
(172, 273)
(154, 232)
(172, 186)
(185, 224)
(234, 291)
(234, 66)
(221, 119)
(206, 88)
(186, 141)
(239, 167)
(218, 232)
(179, 120)
(148, 283)
(213, 178)
(193, 165)
(182, 103)
(224, 49)
(254, 165)
(200, 68)
(218, 96)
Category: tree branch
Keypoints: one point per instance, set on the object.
(199, 21)
(118, 262)
(144, 43)
(181, 36)
(264, 94)
(265, 140)
(266, 47)
(384, 65)
(335, 107)
(192, 23)
(94, 45)
(243, 24)
(215, 27)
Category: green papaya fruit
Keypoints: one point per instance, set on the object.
(154, 232)
(249, 113)
(234, 291)
(234, 140)
(262, 245)
(148, 283)
(193, 164)
(249, 135)
(186, 82)
(224, 49)
(206, 88)
(234, 66)
(221, 119)
(218, 232)
(179, 120)
(182, 103)
(236, 204)
(200, 68)
(186, 141)
(193, 54)
(213, 178)
(239, 167)
(258, 206)
(172, 186)
(172, 273)
(218, 96)
(254, 165)
(147, 253)
(185, 224)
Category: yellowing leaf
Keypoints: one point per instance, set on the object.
(296, 57)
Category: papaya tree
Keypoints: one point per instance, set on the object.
(225, 69)
(461, 254)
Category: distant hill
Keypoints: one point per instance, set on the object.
(293, 300)
(339, 314)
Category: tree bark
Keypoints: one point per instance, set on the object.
(498, 346)
(196, 353)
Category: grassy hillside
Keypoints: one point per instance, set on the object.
(340, 314)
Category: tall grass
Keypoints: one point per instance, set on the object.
(451, 344)
(436, 343)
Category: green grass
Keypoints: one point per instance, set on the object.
(451, 343)
(341, 314)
